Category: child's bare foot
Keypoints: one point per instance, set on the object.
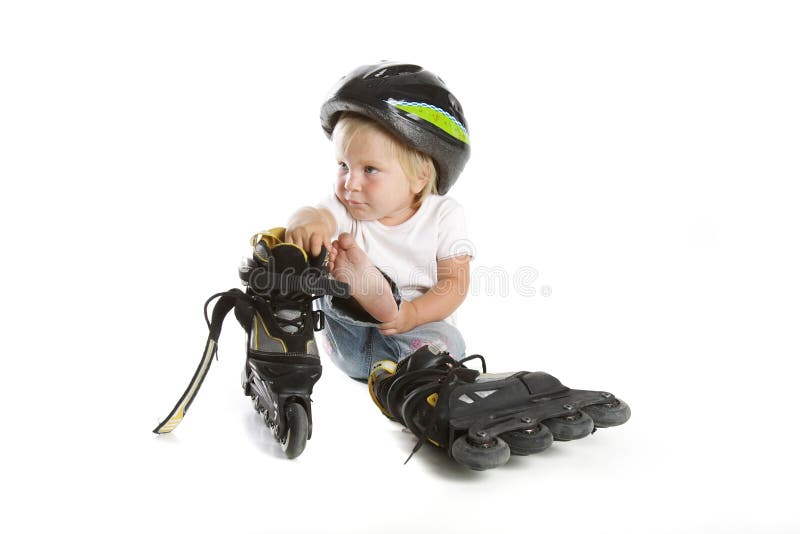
(367, 284)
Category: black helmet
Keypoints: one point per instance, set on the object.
(412, 103)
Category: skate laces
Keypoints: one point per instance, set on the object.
(290, 310)
(288, 293)
(456, 370)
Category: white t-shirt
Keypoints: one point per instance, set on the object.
(407, 253)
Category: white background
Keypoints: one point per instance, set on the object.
(641, 157)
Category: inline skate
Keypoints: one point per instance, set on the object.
(276, 311)
(481, 419)
(283, 362)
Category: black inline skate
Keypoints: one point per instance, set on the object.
(277, 313)
(283, 362)
(481, 419)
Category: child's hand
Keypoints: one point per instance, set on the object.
(310, 237)
(407, 319)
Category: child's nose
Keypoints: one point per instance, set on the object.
(353, 182)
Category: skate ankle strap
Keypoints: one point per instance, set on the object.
(475, 357)
(227, 301)
(262, 283)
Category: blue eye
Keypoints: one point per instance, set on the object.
(342, 166)
(370, 170)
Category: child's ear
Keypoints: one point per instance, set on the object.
(421, 181)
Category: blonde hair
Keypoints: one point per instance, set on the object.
(415, 164)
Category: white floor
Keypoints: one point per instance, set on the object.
(705, 451)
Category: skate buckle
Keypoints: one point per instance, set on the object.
(319, 320)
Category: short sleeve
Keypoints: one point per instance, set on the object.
(453, 239)
(343, 219)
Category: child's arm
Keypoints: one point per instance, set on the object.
(439, 302)
(311, 229)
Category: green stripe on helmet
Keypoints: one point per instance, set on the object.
(435, 116)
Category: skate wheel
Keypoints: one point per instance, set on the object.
(613, 413)
(569, 427)
(296, 430)
(480, 457)
(528, 441)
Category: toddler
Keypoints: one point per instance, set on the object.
(400, 141)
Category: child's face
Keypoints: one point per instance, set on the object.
(372, 184)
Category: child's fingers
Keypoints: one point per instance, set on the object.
(295, 237)
(310, 243)
(315, 245)
(388, 328)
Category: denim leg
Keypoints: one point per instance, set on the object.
(440, 332)
(354, 344)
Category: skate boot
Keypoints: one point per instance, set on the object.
(481, 419)
(283, 362)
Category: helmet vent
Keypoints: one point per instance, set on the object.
(393, 70)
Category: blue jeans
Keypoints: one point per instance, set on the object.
(355, 345)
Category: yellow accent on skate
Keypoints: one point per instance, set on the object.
(180, 408)
(273, 238)
(432, 399)
(387, 366)
(171, 423)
